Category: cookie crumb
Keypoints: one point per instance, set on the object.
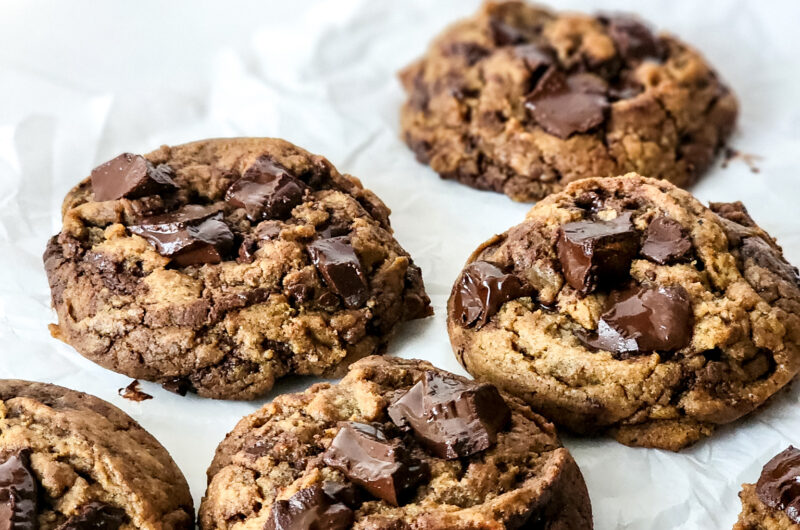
(734, 154)
(133, 392)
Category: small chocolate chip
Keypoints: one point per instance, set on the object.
(267, 190)
(563, 106)
(333, 228)
(644, 320)
(382, 466)
(779, 484)
(130, 176)
(482, 291)
(634, 40)
(192, 235)
(265, 231)
(339, 265)
(313, 508)
(597, 252)
(300, 292)
(18, 493)
(666, 241)
(95, 516)
(450, 417)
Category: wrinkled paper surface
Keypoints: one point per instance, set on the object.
(83, 81)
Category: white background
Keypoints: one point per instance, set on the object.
(82, 81)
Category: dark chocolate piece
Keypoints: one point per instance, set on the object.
(536, 60)
(779, 484)
(267, 190)
(453, 419)
(597, 252)
(380, 465)
(482, 291)
(18, 493)
(133, 392)
(634, 40)
(314, 508)
(563, 107)
(340, 267)
(193, 235)
(130, 176)
(95, 516)
(644, 320)
(666, 241)
(179, 385)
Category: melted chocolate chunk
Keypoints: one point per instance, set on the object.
(95, 516)
(644, 320)
(380, 465)
(18, 493)
(482, 291)
(130, 176)
(779, 484)
(666, 241)
(453, 419)
(563, 106)
(634, 40)
(339, 265)
(597, 252)
(267, 190)
(192, 235)
(536, 60)
(314, 508)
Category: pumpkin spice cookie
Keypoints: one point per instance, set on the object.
(773, 503)
(397, 444)
(222, 265)
(624, 305)
(70, 461)
(521, 100)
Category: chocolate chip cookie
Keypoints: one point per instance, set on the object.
(71, 461)
(624, 305)
(773, 503)
(521, 100)
(397, 444)
(222, 265)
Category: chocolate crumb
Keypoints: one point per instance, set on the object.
(133, 393)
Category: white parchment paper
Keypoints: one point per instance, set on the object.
(82, 81)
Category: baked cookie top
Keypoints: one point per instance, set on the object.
(773, 503)
(396, 444)
(221, 265)
(70, 461)
(625, 304)
(523, 100)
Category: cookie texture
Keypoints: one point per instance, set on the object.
(274, 459)
(70, 461)
(522, 100)
(773, 503)
(648, 315)
(222, 265)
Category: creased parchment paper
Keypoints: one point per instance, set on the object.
(83, 81)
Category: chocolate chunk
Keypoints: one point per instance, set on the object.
(597, 252)
(179, 385)
(380, 465)
(265, 231)
(666, 241)
(482, 291)
(192, 235)
(314, 508)
(339, 265)
(453, 419)
(130, 176)
(563, 108)
(536, 60)
(267, 190)
(18, 493)
(644, 320)
(634, 40)
(779, 484)
(95, 516)
(333, 228)
(133, 392)
(765, 256)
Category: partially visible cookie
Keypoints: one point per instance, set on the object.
(70, 461)
(222, 265)
(773, 503)
(623, 305)
(397, 444)
(522, 100)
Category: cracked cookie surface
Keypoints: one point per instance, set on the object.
(636, 311)
(222, 265)
(522, 100)
(268, 467)
(70, 461)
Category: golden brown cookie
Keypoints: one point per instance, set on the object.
(222, 265)
(624, 305)
(522, 100)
